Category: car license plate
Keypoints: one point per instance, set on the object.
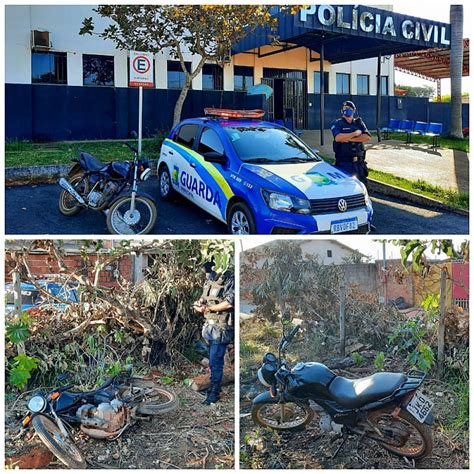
(420, 406)
(345, 225)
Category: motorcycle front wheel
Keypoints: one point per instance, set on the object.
(288, 416)
(68, 206)
(121, 221)
(405, 435)
(60, 445)
(156, 400)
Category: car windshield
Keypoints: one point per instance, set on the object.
(263, 144)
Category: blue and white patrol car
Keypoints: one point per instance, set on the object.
(259, 178)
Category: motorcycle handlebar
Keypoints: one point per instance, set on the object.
(131, 147)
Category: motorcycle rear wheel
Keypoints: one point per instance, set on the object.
(291, 416)
(63, 448)
(116, 216)
(411, 448)
(158, 401)
(68, 206)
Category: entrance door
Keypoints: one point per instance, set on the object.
(289, 99)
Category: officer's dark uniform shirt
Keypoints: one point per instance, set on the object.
(221, 329)
(348, 149)
(350, 155)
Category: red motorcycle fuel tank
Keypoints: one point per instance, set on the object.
(310, 380)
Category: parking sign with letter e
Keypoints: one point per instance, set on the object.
(141, 69)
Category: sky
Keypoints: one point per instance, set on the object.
(369, 247)
(438, 11)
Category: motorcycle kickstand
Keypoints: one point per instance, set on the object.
(344, 437)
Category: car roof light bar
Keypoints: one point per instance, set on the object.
(234, 114)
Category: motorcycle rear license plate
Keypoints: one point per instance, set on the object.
(343, 226)
(420, 406)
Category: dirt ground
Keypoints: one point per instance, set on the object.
(313, 448)
(195, 436)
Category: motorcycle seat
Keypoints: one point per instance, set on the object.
(90, 162)
(359, 392)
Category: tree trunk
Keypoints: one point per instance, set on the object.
(180, 102)
(457, 50)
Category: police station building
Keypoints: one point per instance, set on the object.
(63, 86)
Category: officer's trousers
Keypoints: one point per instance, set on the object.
(216, 361)
(354, 168)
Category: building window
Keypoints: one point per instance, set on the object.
(243, 78)
(48, 68)
(362, 84)
(343, 83)
(212, 77)
(97, 70)
(317, 90)
(329, 253)
(384, 85)
(176, 75)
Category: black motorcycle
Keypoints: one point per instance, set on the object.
(386, 407)
(104, 413)
(93, 185)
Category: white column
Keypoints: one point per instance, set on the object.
(228, 77)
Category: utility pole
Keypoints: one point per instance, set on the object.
(384, 273)
(441, 329)
(342, 318)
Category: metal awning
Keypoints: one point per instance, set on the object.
(431, 64)
(349, 32)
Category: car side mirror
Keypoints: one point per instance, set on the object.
(215, 157)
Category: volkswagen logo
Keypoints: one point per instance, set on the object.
(342, 205)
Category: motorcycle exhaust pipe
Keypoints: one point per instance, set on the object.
(64, 183)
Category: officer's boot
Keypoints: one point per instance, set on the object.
(213, 394)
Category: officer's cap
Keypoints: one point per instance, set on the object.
(349, 103)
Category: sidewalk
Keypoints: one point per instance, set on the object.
(446, 168)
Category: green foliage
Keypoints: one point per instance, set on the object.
(18, 332)
(379, 361)
(415, 250)
(408, 339)
(22, 366)
(357, 358)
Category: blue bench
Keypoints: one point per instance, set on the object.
(393, 126)
(420, 128)
(434, 130)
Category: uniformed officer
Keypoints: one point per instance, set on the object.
(350, 134)
(217, 306)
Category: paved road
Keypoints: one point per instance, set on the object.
(34, 210)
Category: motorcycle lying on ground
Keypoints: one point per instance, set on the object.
(385, 407)
(94, 185)
(103, 413)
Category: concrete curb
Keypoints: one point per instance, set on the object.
(404, 195)
(51, 173)
(43, 174)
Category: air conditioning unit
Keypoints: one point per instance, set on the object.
(40, 39)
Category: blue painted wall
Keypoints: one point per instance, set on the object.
(52, 113)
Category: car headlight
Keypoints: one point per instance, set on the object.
(36, 404)
(286, 202)
(366, 195)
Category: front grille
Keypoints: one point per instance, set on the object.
(284, 230)
(330, 206)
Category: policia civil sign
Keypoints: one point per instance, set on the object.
(360, 20)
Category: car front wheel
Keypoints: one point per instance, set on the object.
(241, 220)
